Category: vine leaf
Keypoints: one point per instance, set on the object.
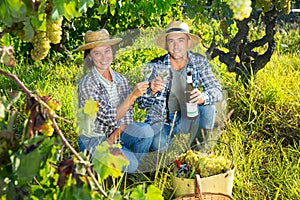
(154, 193)
(91, 108)
(106, 163)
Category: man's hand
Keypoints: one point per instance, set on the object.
(196, 97)
(157, 84)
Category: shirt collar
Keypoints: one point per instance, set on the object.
(102, 79)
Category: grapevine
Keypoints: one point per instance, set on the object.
(205, 165)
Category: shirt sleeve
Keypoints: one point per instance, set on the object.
(124, 91)
(212, 91)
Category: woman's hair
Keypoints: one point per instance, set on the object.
(87, 62)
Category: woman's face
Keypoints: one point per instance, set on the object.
(102, 57)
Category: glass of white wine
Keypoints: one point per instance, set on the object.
(163, 71)
(146, 71)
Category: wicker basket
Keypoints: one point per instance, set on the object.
(199, 195)
(220, 183)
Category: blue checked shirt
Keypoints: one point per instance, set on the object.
(91, 88)
(202, 76)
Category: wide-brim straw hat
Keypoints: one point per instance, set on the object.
(97, 38)
(177, 27)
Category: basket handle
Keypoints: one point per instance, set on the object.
(198, 187)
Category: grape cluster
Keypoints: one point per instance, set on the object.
(267, 5)
(285, 5)
(205, 165)
(42, 39)
(41, 45)
(54, 30)
(241, 8)
(19, 31)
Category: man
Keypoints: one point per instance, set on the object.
(165, 100)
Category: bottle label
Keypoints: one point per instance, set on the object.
(192, 109)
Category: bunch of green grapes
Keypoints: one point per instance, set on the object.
(205, 165)
(54, 30)
(241, 8)
(41, 45)
(19, 31)
(266, 5)
(285, 5)
(212, 165)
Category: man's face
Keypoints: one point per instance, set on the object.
(177, 45)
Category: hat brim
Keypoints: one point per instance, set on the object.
(91, 45)
(161, 40)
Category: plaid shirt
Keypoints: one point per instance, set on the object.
(202, 76)
(91, 88)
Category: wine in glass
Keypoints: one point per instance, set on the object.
(163, 72)
(146, 72)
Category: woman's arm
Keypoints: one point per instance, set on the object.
(129, 100)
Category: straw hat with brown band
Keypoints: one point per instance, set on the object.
(97, 38)
(177, 27)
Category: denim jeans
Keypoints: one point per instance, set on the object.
(136, 140)
(162, 131)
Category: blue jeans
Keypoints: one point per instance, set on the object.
(136, 140)
(162, 131)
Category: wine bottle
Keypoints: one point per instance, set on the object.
(192, 108)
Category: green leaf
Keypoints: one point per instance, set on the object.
(85, 123)
(112, 10)
(138, 193)
(12, 11)
(70, 10)
(106, 164)
(102, 9)
(58, 9)
(5, 17)
(91, 108)
(84, 5)
(154, 193)
(29, 167)
(29, 32)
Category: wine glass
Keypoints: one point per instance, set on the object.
(163, 71)
(146, 71)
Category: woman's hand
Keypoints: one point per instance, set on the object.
(140, 89)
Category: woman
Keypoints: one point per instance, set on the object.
(111, 91)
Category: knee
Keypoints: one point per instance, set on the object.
(144, 130)
(207, 109)
(159, 143)
(133, 162)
